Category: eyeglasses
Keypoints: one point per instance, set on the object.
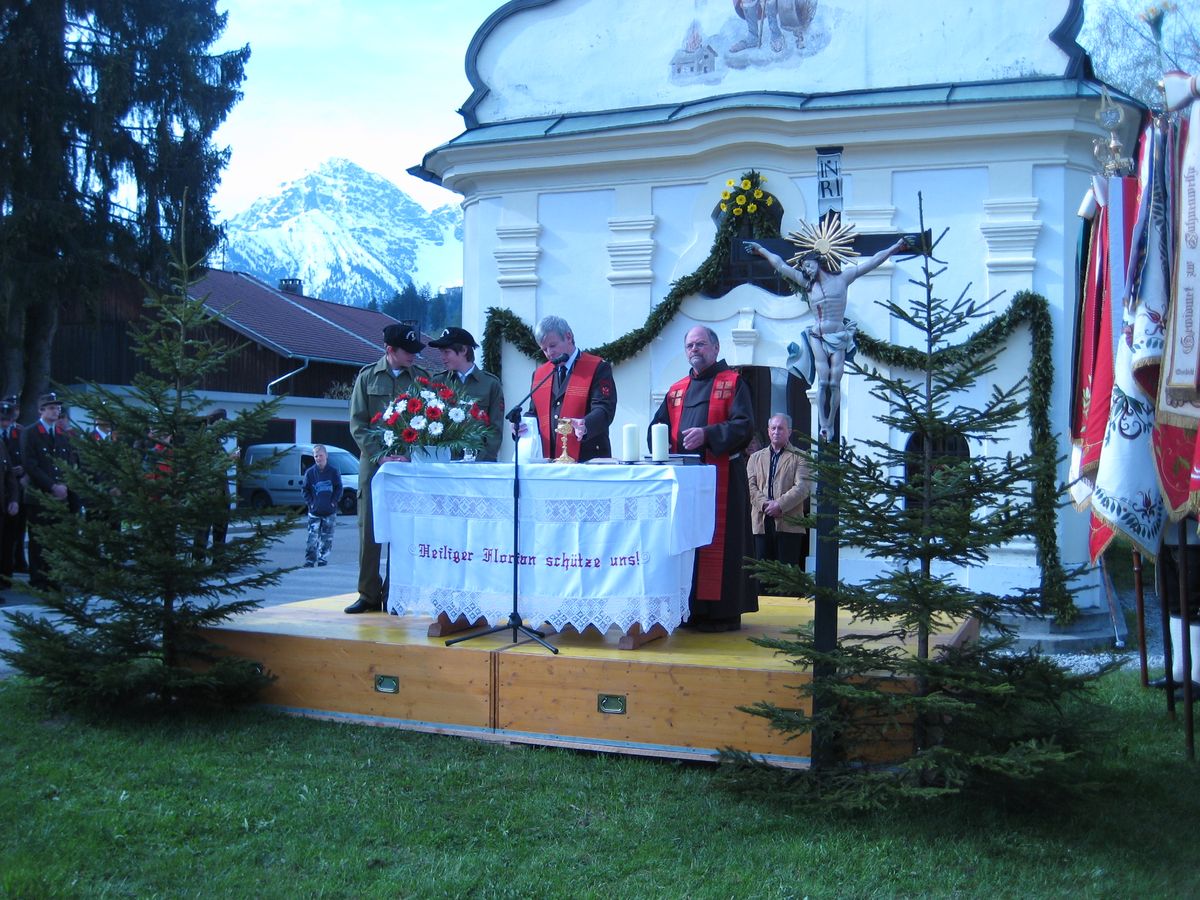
(695, 345)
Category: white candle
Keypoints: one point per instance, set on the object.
(629, 443)
(658, 442)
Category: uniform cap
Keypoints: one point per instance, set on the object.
(454, 337)
(403, 336)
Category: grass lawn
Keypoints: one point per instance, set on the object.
(258, 804)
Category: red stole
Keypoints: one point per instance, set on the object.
(710, 560)
(574, 405)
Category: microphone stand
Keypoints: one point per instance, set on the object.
(515, 622)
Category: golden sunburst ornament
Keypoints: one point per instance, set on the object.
(829, 239)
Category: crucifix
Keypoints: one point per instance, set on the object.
(822, 267)
(829, 257)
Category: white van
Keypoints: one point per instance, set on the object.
(281, 482)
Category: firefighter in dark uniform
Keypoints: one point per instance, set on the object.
(46, 452)
(12, 528)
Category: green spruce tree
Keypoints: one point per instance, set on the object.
(946, 719)
(132, 581)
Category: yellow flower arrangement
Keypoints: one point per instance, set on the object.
(748, 202)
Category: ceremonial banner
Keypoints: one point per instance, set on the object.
(1125, 495)
(1096, 370)
(1182, 366)
(1146, 280)
(600, 545)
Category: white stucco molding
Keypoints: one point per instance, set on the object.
(631, 251)
(867, 219)
(1011, 232)
(517, 255)
(744, 337)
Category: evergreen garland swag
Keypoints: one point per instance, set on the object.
(504, 325)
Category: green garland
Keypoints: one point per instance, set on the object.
(758, 223)
(503, 325)
(1033, 308)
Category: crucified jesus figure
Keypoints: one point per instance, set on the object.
(831, 336)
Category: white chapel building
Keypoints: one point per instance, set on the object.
(601, 133)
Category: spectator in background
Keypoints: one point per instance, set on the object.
(12, 533)
(322, 490)
(779, 484)
(46, 451)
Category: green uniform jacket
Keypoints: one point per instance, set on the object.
(374, 388)
(484, 388)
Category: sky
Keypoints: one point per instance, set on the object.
(377, 82)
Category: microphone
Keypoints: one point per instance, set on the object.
(560, 359)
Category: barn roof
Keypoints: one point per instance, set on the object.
(292, 325)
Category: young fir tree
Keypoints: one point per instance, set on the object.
(949, 719)
(131, 584)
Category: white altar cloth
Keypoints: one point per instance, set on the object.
(599, 545)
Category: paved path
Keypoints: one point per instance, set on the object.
(339, 577)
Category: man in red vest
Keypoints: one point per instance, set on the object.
(710, 412)
(581, 389)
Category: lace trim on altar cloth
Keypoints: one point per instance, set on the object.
(591, 509)
(630, 509)
(449, 505)
(578, 613)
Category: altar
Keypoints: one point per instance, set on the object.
(600, 545)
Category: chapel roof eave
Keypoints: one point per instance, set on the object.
(1020, 90)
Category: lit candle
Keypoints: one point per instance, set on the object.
(629, 443)
(658, 442)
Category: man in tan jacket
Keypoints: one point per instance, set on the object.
(779, 484)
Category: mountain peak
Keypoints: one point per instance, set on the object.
(350, 235)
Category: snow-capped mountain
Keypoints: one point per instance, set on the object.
(349, 235)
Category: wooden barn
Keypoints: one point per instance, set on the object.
(305, 350)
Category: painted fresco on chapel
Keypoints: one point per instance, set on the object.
(753, 34)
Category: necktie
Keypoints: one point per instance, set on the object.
(771, 475)
(562, 377)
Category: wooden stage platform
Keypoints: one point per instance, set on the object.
(676, 697)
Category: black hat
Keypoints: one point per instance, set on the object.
(403, 336)
(454, 337)
(50, 399)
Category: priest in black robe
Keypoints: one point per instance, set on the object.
(710, 412)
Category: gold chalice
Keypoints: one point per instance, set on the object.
(564, 428)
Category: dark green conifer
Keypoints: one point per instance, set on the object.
(132, 582)
(945, 718)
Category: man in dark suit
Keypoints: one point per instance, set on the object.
(580, 390)
(46, 451)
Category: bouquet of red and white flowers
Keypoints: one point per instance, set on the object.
(436, 416)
